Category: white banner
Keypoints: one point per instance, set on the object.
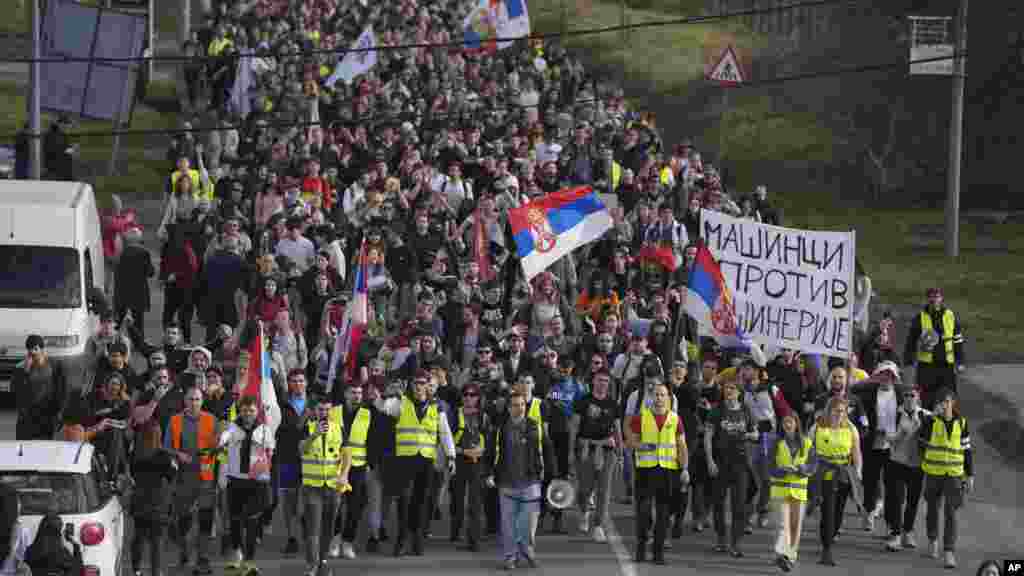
(792, 288)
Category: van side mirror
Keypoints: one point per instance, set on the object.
(96, 300)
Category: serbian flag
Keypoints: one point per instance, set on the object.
(261, 383)
(357, 316)
(711, 304)
(549, 227)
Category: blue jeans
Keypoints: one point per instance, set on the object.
(520, 509)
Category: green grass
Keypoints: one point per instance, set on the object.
(982, 285)
(138, 174)
(17, 18)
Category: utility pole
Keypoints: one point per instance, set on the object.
(35, 148)
(956, 137)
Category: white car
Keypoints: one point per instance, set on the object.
(67, 478)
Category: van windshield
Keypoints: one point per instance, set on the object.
(39, 277)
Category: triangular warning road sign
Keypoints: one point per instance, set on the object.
(728, 71)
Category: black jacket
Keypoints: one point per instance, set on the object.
(496, 459)
(40, 411)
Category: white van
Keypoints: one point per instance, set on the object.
(51, 273)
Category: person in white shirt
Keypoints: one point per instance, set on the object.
(453, 188)
(296, 247)
(250, 446)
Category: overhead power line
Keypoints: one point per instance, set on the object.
(462, 115)
(276, 54)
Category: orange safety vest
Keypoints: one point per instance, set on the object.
(206, 440)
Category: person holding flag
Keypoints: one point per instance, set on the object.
(353, 324)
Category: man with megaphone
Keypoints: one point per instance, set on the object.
(656, 436)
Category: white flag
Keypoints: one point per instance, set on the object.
(357, 62)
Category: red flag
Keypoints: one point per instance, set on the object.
(260, 383)
(483, 244)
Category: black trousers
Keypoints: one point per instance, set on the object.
(179, 302)
(491, 510)
(733, 481)
(247, 500)
(933, 377)
(657, 487)
(354, 503)
(148, 532)
(902, 494)
(945, 491)
(876, 462)
(413, 481)
(833, 503)
(466, 498)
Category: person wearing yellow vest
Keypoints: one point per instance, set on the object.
(355, 419)
(794, 462)
(948, 465)
(192, 437)
(323, 477)
(935, 343)
(837, 444)
(419, 430)
(250, 446)
(468, 480)
(658, 442)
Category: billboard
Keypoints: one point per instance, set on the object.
(86, 88)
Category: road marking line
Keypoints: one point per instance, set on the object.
(622, 555)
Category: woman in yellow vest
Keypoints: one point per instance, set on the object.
(948, 468)
(837, 444)
(794, 463)
(355, 419)
(659, 444)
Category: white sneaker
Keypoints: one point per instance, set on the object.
(347, 551)
(909, 542)
(950, 560)
(869, 522)
(598, 534)
(335, 549)
(933, 549)
(235, 560)
(893, 543)
(584, 523)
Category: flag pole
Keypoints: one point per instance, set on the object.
(853, 301)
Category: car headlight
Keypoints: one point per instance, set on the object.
(66, 341)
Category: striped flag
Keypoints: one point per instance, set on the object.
(261, 383)
(353, 324)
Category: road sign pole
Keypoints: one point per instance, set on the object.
(956, 138)
(36, 143)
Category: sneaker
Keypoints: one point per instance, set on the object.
(372, 545)
(698, 526)
(584, 523)
(252, 569)
(950, 560)
(291, 548)
(762, 520)
(509, 565)
(598, 534)
(893, 544)
(909, 542)
(310, 570)
(235, 562)
(347, 551)
(933, 549)
(749, 529)
(869, 522)
(335, 549)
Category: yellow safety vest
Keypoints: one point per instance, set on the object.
(192, 174)
(948, 327)
(834, 445)
(357, 434)
(462, 428)
(534, 414)
(414, 436)
(944, 453)
(657, 447)
(616, 175)
(790, 486)
(322, 456)
(218, 45)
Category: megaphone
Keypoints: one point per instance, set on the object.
(561, 494)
